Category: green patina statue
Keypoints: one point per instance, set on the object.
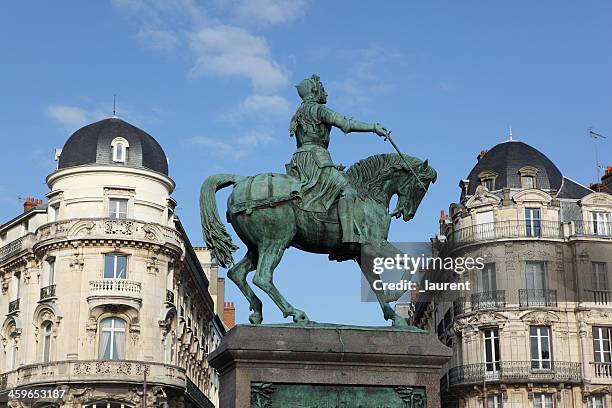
(316, 207)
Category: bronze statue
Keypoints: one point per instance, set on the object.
(316, 207)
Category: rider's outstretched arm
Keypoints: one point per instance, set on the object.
(348, 125)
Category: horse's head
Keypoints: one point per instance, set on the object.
(411, 189)
(384, 175)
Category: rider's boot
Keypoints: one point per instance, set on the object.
(346, 210)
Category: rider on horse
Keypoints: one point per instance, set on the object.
(322, 182)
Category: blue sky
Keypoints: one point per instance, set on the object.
(213, 83)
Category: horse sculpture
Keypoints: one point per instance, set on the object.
(265, 214)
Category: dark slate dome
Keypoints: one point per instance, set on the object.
(506, 159)
(92, 145)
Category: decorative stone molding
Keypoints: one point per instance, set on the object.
(539, 318)
(482, 198)
(532, 196)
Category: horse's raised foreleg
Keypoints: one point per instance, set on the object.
(238, 274)
(270, 254)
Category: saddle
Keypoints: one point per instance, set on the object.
(262, 190)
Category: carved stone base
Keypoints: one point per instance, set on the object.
(274, 366)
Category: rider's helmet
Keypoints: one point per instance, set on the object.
(311, 90)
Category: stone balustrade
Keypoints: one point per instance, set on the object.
(108, 228)
(115, 291)
(94, 371)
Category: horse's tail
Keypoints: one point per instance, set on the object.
(215, 235)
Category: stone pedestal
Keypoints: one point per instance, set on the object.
(328, 366)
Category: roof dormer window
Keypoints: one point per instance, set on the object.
(487, 179)
(528, 177)
(119, 148)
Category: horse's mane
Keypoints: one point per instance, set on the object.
(368, 175)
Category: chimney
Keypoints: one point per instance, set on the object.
(606, 180)
(481, 154)
(229, 315)
(31, 203)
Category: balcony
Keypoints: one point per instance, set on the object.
(505, 230)
(537, 298)
(15, 247)
(13, 306)
(602, 371)
(169, 296)
(108, 228)
(115, 292)
(514, 372)
(592, 229)
(495, 299)
(94, 372)
(47, 292)
(599, 297)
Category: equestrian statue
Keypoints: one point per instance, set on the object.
(316, 206)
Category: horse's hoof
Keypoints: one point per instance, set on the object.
(399, 321)
(300, 318)
(255, 318)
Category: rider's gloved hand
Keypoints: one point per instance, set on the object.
(380, 130)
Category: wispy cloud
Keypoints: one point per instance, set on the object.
(270, 11)
(366, 78)
(217, 48)
(225, 50)
(235, 148)
(262, 107)
(71, 117)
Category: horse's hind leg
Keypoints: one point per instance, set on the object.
(270, 254)
(238, 274)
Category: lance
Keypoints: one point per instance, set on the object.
(388, 137)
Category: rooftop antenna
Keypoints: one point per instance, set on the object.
(114, 106)
(510, 139)
(596, 137)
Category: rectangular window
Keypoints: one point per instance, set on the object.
(536, 275)
(487, 278)
(117, 208)
(540, 347)
(491, 350)
(601, 223)
(542, 401)
(489, 184)
(527, 182)
(51, 273)
(533, 222)
(599, 275)
(53, 213)
(485, 226)
(602, 345)
(115, 266)
(494, 401)
(598, 401)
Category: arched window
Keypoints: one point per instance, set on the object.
(112, 339)
(120, 147)
(47, 329)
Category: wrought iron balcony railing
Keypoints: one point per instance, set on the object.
(458, 307)
(593, 229)
(505, 229)
(169, 296)
(599, 297)
(13, 306)
(601, 370)
(11, 248)
(537, 298)
(47, 292)
(514, 371)
(495, 299)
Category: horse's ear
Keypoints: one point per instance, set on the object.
(425, 165)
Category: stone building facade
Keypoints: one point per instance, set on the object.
(101, 290)
(535, 329)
